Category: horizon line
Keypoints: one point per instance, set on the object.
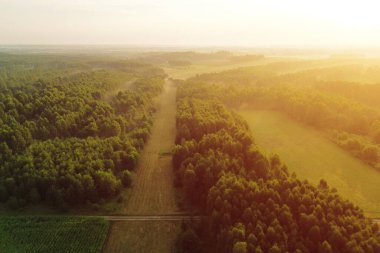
(161, 45)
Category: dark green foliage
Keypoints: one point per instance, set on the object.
(52, 234)
(126, 178)
(252, 203)
(65, 139)
(188, 242)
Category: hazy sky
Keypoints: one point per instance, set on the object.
(192, 22)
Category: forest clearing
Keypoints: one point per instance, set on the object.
(152, 191)
(294, 143)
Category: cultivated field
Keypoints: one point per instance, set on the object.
(45, 234)
(152, 190)
(313, 157)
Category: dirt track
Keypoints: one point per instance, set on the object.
(150, 217)
(152, 191)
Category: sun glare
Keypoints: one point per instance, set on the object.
(197, 22)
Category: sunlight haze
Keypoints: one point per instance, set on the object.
(191, 23)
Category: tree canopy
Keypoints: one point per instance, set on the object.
(69, 134)
(252, 203)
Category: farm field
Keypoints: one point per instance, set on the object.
(47, 234)
(313, 157)
(152, 191)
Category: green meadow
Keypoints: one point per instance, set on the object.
(312, 156)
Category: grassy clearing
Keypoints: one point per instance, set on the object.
(313, 157)
(152, 191)
(19, 234)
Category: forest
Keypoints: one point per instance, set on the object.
(252, 202)
(67, 137)
(73, 129)
(185, 58)
(177, 126)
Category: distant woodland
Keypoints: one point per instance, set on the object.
(182, 59)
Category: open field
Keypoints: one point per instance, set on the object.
(207, 67)
(277, 65)
(166, 217)
(299, 145)
(152, 191)
(52, 234)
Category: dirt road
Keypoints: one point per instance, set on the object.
(142, 237)
(149, 217)
(152, 191)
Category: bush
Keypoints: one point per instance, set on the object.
(370, 154)
(126, 178)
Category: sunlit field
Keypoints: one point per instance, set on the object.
(313, 157)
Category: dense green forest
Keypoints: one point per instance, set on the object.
(252, 203)
(347, 112)
(67, 136)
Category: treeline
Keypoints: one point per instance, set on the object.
(186, 58)
(348, 113)
(66, 139)
(251, 202)
(179, 63)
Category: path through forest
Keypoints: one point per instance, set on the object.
(152, 191)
